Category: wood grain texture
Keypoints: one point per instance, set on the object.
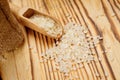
(101, 17)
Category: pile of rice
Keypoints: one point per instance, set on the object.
(73, 48)
(48, 24)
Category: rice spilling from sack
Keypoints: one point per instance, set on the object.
(74, 48)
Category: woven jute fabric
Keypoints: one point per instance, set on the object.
(11, 34)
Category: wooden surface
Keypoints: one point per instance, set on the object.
(102, 17)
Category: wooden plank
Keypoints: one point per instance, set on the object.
(35, 63)
(101, 17)
(89, 23)
(7, 66)
(104, 26)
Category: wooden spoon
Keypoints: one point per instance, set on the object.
(38, 21)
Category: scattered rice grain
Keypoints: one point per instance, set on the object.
(97, 74)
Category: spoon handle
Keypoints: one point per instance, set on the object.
(19, 14)
(17, 11)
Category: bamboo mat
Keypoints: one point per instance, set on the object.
(102, 17)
